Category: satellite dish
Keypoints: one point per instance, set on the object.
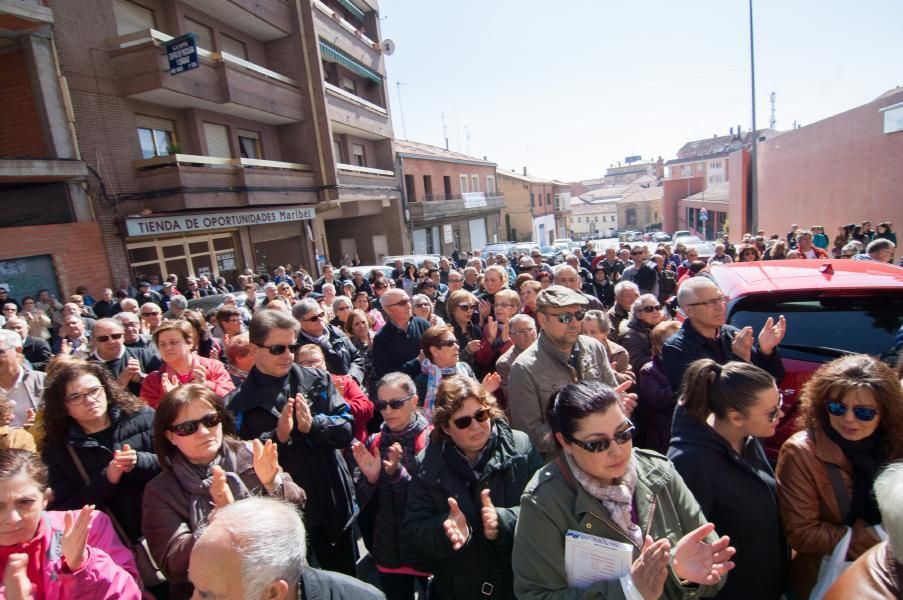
(388, 47)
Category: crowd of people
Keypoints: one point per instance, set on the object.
(485, 425)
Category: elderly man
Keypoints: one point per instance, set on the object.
(301, 410)
(134, 338)
(35, 350)
(879, 250)
(567, 276)
(72, 338)
(151, 316)
(805, 246)
(523, 333)
(107, 305)
(21, 387)
(470, 279)
(145, 295)
(626, 293)
(177, 305)
(559, 356)
(720, 258)
(128, 365)
(194, 291)
(454, 280)
(253, 550)
(704, 334)
(360, 282)
(342, 357)
(397, 345)
(129, 305)
(72, 308)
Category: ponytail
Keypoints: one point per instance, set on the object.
(708, 387)
(697, 387)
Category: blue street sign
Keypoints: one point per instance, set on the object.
(182, 53)
(703, 214)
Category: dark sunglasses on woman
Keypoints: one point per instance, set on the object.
(382, 405)
(464, 422)
(652, 309)
(621, 438)
(187, 428)
(862, 413)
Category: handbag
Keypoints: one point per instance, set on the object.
(147, 567)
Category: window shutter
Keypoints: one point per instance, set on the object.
(217, 137)
(131, 18)
(205, 34)
(233, 46)
(151, 122)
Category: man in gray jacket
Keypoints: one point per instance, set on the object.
(559, 356)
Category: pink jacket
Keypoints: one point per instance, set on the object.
(218, 380)
(109, 570)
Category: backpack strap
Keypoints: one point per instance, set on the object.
(840, 490)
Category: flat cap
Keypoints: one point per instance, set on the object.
(526, 262)
(558, 296)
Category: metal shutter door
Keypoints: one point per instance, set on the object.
(217, 137)
(131, 18)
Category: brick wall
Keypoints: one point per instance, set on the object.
(21, 134)
(437, 169)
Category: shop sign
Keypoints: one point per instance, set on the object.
(225, 261)
(447, 234)
(188, 223)
(474, 200)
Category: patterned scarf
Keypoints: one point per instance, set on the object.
(197, 479)
(434, 378)
(616, 498)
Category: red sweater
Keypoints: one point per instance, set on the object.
(218, 380)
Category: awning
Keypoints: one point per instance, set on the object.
(354, 10)
(346, 61)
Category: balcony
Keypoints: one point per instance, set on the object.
(453, 207)
(366, 183)
(264, 19)
(330, 25)
(187, 181)
(222, 83)
(24, 16)
(351, 110)
(28, 170)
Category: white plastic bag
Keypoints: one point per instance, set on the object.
(832, 566)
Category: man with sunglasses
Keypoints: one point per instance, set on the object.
(705, 334)
(397, 345)
(128, 365)
(560, 355)
(342, 357)
(300, 409)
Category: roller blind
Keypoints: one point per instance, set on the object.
(150, 122)
(131, 17)
(217, 137)
(205, 34)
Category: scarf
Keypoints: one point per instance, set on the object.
(435, 375)
(322, 341)
(36, 550)
(460, 465)
(234, 371)
(197, 479)
(865, 456)
(616, 498)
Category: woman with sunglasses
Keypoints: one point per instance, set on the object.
(363, 302)
(599, 486)
(851, 416)
(636, 334)
(722, 412)
(98, 444)
(205, 467)
(462, 306)
(385, 463)
(423, 308)
(174, 341)
(748, 253)
(463, 498)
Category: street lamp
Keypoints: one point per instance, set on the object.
(752, 206)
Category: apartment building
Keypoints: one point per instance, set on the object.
(550, 206)
(270, 145)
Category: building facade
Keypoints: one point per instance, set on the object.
(593, 219)
(518, 213)
(453, 199)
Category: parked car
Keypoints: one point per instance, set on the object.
(551, 254)
(499, 248)
(206, 303)
(661, 236)
(705, 249)
(832, 307)
(680, 233)
(525, 248)
(367, 270)
(412, 259)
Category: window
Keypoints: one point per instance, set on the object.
(339, 154)
(131, 18)
(348, 84)
(409, 188)
(217, 138)
(155, 135)
(249, 144)
(490, 184)
(475, 183)
(205, 34)
(715, 164)
(233, 46)
(357, 155)
(446, 184)
(532, 201)
(213, 255)
(427, 187)
(548, 198)
(463, 184)
(686, 171)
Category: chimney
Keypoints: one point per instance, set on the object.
(739, 133)
(525, 171)
(732, 133)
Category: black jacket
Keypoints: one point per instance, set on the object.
(70, 492)
(342, 358)
(313, 459)
(687, 345)
(317, 584)
(637, 340)
(737, 493)
(393, 348)
(480, 565)
(37, 352)
(148, 359)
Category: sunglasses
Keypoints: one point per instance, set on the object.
(862, 413)
(621, 438)
(652, 309)
(382, 405)
(279, 349)
(187, 428)
(446, 343)
(464, 422)
(314, 318)
(150, 314)
(467, 307)
(422, 305)
(399, 303)
(565, 318)
(106, 338)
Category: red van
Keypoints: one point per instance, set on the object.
(832, 307)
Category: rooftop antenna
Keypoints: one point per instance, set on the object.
(467, 137)
(444, 131)
(772, 122)
(404, 130)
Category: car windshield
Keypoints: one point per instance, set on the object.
(819, 325)
(689, 239)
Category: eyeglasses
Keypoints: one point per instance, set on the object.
(313, 363)
(106, 338)
(503, 305)
(464, 422)
(382, 405)
(862, 413)
(149, 314)
(314, 318)
(399, 303)
(341, 308)
(80, 397)
(187, 428)
(773, 415)
(279, 349)
(710, 303)
(446, 343)
(422, 305)
(652, 308)
(620, 438)
(565, 318)
(467, 307)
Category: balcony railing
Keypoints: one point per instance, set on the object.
(355, 99)
(444, 197)
(342, 167)
(456, 206)
(194, 160)
(349, 27)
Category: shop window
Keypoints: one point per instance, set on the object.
(212, 255)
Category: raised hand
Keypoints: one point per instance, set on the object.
(132, 371)
(485, 309)
(199, 373)
(490, 516)
(455, 525)
(303, 418)
(65, 346)
(393, 458)
(492, 327)
(219, 489)
(700, 562)
(628, 401)
(16, 584)
(75, 536)
(472, 346)
(650, 570)
(266, 462)
(772, 334)
(126, 458)
(506, 331)
(492, 382)
(286, 421)
(366, 462)
(169, 382)
(743, 343)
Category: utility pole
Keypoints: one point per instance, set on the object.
(444, 131)
(773, 121)
(404, 130)
(752, 208)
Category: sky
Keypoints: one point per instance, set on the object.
(567, 89)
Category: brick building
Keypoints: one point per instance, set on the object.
(518, 213)
(275, 149)
(49, 237)
(550, 206)
(847, 168)
(452, 198)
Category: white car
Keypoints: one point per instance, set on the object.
(705, 249)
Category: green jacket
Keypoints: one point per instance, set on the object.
(465, 574)
(551, 506)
